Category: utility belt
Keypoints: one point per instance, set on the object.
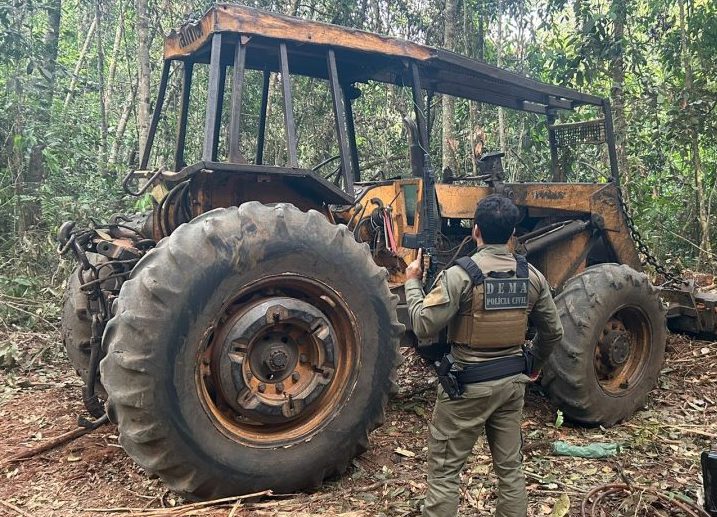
(453, 380)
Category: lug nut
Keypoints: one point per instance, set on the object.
(303, 358)
(295, 376)
(279, 387)
(262, 388)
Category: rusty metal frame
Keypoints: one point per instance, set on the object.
(337, 95)
(211, 134)
(187, 71)
(156, 114)
(289, 122)
(610, 140)
(419, 106)
(261, 135)
(351, 132)
(554, 160)
(237, 86)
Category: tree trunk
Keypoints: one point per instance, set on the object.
(499, 62)
(694, 145)
(143, 70)
(617, 73)
(122, 125)
(447, 102)
(102, 158)
(29, 183)
(80, 62)
(114, 58)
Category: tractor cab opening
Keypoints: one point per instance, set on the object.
(234, 54)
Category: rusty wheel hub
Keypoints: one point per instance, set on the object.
(279, 361)
(275, 358)
(615, 347)
(622, 350)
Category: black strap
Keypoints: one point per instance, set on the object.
(477, 276)
(469, 266)
(492, 370)
(521, 266)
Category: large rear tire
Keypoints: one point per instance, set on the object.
(252, 349)
(613, 345)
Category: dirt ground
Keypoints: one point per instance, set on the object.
(661, 444)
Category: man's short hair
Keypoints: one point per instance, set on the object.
(496, 217)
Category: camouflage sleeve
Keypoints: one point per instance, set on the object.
(431, 313)
(544, 316)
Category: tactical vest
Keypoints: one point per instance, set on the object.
(498, 316)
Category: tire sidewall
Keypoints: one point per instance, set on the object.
(231, 256)
(649, 306)
(604, 290)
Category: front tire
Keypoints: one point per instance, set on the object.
(253, 349)
(613, 345)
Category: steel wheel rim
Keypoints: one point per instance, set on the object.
(275, 365)
(622, 350)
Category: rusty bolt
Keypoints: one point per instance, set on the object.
(279, 387)
(295, 376)
(249, 375)
(262, 388)
(303, 358)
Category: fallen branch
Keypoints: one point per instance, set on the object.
(409, 394)
(55, 442)
(692, 431)
(14, 508)
(539, 444)
(181, 509)
(595, 500)
(682, 429)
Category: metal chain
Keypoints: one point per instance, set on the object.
(672, 276)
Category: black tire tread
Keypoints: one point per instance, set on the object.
(151, 442)
(563, 379)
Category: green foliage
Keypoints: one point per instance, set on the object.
(51, 118)
(559, 420)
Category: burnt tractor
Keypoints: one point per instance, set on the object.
(245, 334)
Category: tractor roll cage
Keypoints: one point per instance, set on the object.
(247, 38)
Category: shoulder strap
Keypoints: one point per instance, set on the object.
(521, 266)
(469, 266)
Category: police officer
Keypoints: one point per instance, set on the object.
(485, 301)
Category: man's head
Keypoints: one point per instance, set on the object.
(495, 219)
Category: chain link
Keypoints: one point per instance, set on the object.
(672, 277)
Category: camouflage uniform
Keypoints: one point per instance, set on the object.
(494, 405)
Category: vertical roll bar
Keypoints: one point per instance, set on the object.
(235, 155)
(155, 115)
(262, 118)
(187, 69)
(289, 122)
(337, 95)
(610, 139)
(213, 116)
(419, 106)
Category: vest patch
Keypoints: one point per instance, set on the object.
(505, 293)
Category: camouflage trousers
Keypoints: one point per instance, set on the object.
(493, 406)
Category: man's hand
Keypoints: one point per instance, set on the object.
(415, 269)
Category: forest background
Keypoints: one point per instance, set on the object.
(78, 80)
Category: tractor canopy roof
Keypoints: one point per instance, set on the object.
(362, 56)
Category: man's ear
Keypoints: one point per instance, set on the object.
(476, 232)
